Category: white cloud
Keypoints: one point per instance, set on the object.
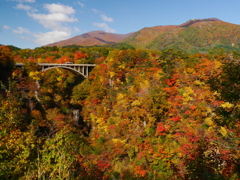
(96, 11)
(76, 29)
(25, 38)
(51, 37)
(102, 15)
(58, 17)
(21, 30)
(105, 27)
(29, 1)
(25, 7)
(6, 27)
(105, 18)
(81, 4)
(58, 8)
(58, 14)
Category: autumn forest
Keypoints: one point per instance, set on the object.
(141, 114)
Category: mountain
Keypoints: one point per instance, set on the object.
(193, 36)
(91, 39)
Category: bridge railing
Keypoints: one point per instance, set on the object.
(82, 69)
(55, 64)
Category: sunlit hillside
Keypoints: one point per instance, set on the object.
(193, 36)
(140, 114)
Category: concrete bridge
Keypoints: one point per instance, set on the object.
(82, 69)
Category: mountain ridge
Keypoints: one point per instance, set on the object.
(192, 36)
(193, 21)
(91, 39)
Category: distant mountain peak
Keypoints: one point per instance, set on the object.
(92, 38)
(193, 21)
(193, 36)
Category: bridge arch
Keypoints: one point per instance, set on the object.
(79, 69)
(67, 68)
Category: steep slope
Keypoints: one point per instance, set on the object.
(193, 36)
(146, 35)
(91, 39)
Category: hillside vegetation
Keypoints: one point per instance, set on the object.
(143, 115)
(194, 36)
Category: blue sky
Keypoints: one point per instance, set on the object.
(33, 23)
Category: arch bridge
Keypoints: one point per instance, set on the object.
(82, 69)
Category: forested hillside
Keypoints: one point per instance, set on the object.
(197, 35)
(144, 114)
(193, 36)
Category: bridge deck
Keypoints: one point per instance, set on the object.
(82, 69)
(52, 64)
